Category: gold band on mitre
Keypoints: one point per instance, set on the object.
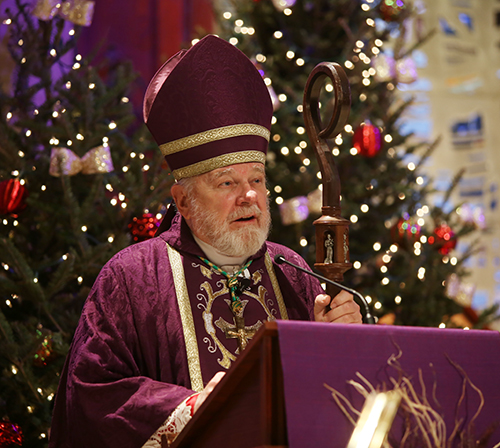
(214, 135)
(219, 162)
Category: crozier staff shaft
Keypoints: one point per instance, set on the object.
(332, 231)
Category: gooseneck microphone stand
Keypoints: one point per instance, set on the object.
(280, 259)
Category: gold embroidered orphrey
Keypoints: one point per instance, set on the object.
(237, 330)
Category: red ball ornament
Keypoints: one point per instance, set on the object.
(405, 232)
(444, 239)
(10, 434)
(367, 140)
(12, 196)
(390, 10)
(145, 227)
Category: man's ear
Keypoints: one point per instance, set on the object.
(182, 202)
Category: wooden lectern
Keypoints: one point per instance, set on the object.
(247, 409)
(275, 395)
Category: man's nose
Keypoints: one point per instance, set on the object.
(248, 195)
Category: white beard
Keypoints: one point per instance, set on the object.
(242, 242)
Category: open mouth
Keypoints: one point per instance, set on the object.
(247, 218)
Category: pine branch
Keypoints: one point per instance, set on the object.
(6, 329)
(61, 276)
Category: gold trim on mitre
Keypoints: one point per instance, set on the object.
(214, 135)
(219, 162)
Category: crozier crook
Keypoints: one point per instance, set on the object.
(330, 226)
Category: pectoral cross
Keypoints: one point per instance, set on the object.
(238, 331)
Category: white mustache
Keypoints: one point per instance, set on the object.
(251, 210)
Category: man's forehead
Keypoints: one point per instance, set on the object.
(236, 168)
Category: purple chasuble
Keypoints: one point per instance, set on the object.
(127, 368)
(220, 336)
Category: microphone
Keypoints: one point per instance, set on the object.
(280, 259)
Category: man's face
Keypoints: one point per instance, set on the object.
(228, 209)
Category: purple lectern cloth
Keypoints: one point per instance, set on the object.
(127, 367)
(313, 354)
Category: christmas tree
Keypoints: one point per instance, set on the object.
(401, 241)
(79, 180)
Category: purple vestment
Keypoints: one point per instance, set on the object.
(127, 368)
